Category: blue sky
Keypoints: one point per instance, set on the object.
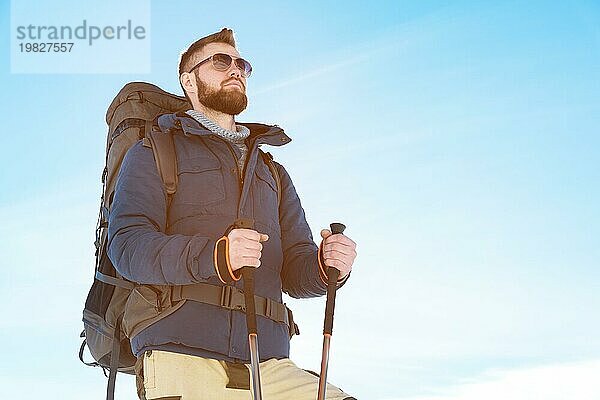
(458, 142)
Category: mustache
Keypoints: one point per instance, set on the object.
(235, 80)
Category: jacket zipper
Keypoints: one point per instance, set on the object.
(237, 166)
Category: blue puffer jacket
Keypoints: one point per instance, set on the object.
(150, 243)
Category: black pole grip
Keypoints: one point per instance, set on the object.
(332, 277)
(248, 275)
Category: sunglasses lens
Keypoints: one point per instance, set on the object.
(221, 61)
(244, 66)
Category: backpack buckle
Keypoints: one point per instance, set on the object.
(232, 298)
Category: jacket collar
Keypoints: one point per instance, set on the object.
(259, 133)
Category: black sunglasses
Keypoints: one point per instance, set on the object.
(222, 62)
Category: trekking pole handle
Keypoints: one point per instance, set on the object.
(332, 277)
(248, 275)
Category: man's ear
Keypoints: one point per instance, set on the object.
(188, 83)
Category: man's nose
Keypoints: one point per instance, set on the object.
(234, 70)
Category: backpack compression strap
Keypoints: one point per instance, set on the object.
(114, 359)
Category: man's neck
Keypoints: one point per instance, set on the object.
(225, 121)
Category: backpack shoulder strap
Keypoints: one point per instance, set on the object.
(163, 147)
(268, 158)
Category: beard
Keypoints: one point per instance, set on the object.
(227, 101)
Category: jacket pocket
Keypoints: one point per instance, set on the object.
(200, 181)
(264, 174)
(266, 187)
(266, 208)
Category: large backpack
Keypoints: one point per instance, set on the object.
(130, 117)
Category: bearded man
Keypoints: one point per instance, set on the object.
(194, 242)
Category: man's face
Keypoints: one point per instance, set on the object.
(223, 91)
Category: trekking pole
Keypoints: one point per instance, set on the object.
(248, 275)
(332, 277)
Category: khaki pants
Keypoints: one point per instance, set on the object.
(172, 376)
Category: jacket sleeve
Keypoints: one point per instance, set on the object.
(300, 273)
(137, 246)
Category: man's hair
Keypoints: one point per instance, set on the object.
(187, 57)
